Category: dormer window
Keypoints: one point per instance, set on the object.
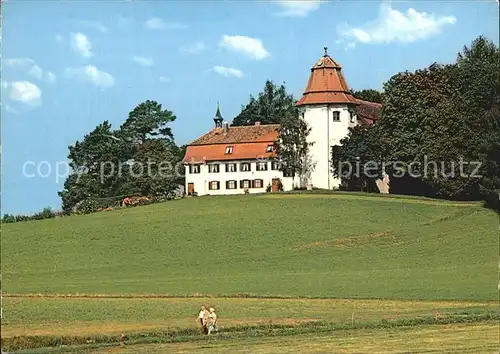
(269, 148)
(336, 116)
(229, 150)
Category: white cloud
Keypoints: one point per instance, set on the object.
(222, 70)
(144, 61)
(193, 48)
(59, 38)
(294, 8)
(81, 44)
(251, 47)
(25, 92)
(156, 23)
(164, 79)
(395, 26)
(91, 75)
(32, 68)
(98, 26)
(50, 77)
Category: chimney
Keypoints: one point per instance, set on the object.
(226, 127)
(257, 123)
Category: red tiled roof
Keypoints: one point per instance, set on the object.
(217, 152)
(368, 112)
(248, 142)
(242, 134)
(326, 84)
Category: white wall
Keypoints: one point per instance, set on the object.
(201, 180)
(325, 133)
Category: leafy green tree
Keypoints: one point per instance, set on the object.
(357, 161)
(153, 169)
(269, 108)
(147, 120)
(103, 162)
(478, 73)
(369, 95)
(437, 125)
(292, 147)
(90, 159)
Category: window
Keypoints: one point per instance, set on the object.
(261, 166)
(229, 149)
(214, 185)
(351, 116)
(275, 165)
(230, 184)
(336, 116)
(194, 168)
(269, 148)
(258, 183)
(287, 173)
(231, 167)
(245, 183)
(245, 166)
(214, 168)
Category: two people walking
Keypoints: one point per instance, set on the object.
(207, 320)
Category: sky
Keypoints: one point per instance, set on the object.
(69, 65)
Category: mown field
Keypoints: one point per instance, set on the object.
(286, 258)
(477, 338)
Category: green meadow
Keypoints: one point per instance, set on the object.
(274, 258)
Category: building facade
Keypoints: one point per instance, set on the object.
(235, 160)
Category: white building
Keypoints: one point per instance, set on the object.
(235, 160)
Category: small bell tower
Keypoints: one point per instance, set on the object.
(218, 117)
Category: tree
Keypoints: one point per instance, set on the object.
(352, 160)
(105, 163)
(147, 120)
(153, 169)
(269, 108)
(478, 76)
(90, 159)
(369, 95)
(180, 171)
(437, 125)
(292, 147)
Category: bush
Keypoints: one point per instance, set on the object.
(8, 218)
(46, 213)
(88, 206)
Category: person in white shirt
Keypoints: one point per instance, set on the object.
(212, 318)
(202, 319)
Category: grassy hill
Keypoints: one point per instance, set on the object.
(311, 245)
(370, 261)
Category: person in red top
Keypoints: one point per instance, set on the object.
(126, 201)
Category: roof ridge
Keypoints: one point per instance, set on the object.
(253, 125)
